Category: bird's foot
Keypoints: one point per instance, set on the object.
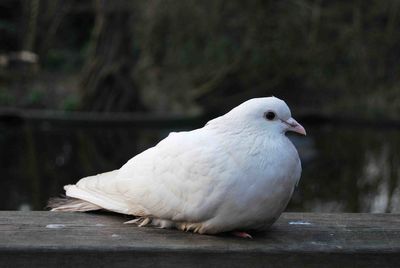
(242, 234)
(134, 221)
(142, 221)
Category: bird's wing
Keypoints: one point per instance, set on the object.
(175, 180)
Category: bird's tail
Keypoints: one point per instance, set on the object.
(91, 193)
(70, 204)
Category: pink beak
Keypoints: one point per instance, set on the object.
(295, 126)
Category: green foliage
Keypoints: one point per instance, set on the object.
(6, 98)
(7, 26)
(329, 55)
(304, 50)
(62, 60)
(35, 97)
(70, 103)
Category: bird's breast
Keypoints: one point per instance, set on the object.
(265, 184)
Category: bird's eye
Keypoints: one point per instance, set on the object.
(270, 115)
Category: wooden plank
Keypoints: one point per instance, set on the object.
(50, 239)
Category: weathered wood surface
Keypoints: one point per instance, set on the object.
(50, 239)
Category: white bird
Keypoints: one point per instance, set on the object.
(236, 174)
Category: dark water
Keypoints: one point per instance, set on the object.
(344, 169)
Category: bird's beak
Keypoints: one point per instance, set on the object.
(294, 126)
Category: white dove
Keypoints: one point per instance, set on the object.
(235, 174)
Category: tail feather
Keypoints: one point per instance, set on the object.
(71, 204)
(92, 193)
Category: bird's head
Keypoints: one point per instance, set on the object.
(267, 114)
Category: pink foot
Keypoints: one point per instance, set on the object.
(242, 235)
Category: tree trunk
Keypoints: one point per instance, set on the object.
(107, 83)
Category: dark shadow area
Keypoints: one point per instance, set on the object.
(344, 169)
(86, 85)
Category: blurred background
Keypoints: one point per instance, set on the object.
(86, 85)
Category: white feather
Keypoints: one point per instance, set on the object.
(237, 172)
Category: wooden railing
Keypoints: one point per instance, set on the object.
(50, 239)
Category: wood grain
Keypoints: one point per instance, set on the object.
(51, 239)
